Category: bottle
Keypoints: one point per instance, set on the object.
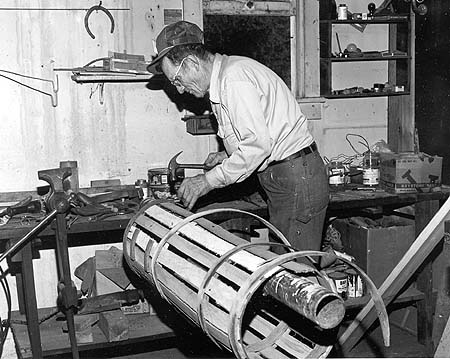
(371, 169)
(342, 12)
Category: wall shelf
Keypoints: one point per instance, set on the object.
(103, 77)
(398, 56)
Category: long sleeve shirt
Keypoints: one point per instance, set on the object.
(259, 119)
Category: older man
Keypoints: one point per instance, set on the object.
(262, 128)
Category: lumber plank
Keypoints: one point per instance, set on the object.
(442, 311)
(408, 265)
(443, 348)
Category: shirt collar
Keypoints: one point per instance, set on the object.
(214, 87)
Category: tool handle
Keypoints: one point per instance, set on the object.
(31, 207)
(194, 166)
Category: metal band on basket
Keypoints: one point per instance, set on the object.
(181, 224)
(213, 270)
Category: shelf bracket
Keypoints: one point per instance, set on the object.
(55, 84)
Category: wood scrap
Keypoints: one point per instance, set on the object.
(114, 325)
(442, 311)
(443, 348)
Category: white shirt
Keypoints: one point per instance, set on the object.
(258, 118)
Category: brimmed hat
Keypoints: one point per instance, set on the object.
(178, 33)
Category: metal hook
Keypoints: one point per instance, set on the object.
(90, 11)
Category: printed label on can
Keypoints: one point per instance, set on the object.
(355, 286)
(336, 176)
(371, 176)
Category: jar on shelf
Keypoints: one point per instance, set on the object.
(371, 169)
(342, 12)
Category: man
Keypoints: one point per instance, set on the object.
(262, 127)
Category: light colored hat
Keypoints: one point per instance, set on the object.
(178, 33)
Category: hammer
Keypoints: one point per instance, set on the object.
(174, 166)
(408, 176)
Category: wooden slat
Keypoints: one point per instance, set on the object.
(214, 318)
(265, 327)
(270, 352)
(226, 236)
(200, 255)
(205, 238)
(408, 265)
(188, 272)
(258, 8)
(443, 349)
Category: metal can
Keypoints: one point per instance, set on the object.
(355, 284)
(342, 12)
(371, 169)
(340, 280)
(158, 183)
(336, 175)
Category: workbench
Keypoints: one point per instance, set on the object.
(342, 204)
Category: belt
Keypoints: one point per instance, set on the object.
(303, 152)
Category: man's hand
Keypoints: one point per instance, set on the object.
(214, 158)
(192, 188)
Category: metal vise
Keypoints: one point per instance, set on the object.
(174, 167)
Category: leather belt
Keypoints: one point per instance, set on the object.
(303, 152)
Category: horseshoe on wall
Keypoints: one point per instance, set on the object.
(90, 11)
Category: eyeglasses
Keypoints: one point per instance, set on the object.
(175, 79)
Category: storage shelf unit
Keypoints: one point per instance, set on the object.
(398, 56)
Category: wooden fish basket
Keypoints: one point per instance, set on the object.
(247, 298)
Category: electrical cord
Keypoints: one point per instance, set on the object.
(5, 324)
(349, 159)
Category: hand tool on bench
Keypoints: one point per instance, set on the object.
(27, 205)
(174, 166)
(104, 302)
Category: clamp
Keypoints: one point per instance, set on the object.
(90, 11)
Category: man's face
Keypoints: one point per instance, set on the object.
(186, 76)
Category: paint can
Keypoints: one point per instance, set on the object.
(158, 183)
(340, 280)
(355, 284)
(336, 175)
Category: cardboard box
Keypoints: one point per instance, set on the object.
(377, 250)
(410, 172)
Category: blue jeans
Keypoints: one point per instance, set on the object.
(297, 198)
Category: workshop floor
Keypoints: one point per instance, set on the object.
(403, 345)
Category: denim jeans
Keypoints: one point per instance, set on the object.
(297, 199)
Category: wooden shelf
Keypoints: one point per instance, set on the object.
(398, 57)
(143, 328)
(369, 94)
(409, 295)
(379, 20)
(90, 77)
(367, 58)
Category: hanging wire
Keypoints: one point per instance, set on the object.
(349, 159)
(55, 85)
